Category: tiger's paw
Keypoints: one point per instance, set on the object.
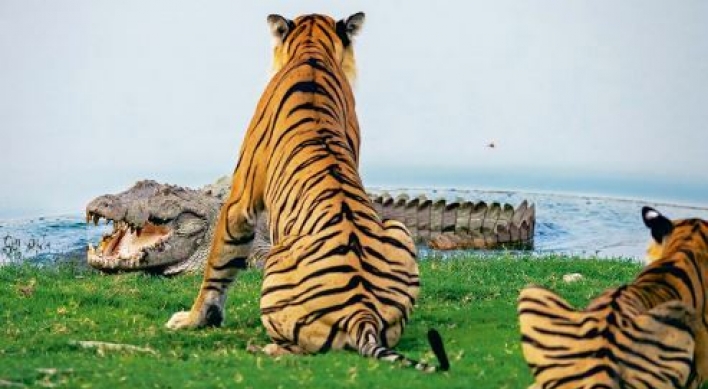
(275, 350)
(182, 320)
(211, 315)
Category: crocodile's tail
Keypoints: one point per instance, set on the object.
(443, 224)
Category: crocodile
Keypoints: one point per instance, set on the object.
(157, 228)
(460, 224)
(167, 229)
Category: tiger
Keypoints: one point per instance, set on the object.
(338, 276)
(650, 333)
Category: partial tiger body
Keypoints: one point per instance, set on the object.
(650, 333)
(605, 345)
(337, 293)
(338, 276)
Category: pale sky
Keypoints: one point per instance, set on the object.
(95, 95)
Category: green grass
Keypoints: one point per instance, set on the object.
(471, 301)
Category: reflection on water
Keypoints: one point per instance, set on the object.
(565, 224)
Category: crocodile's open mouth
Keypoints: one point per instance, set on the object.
(127, 245)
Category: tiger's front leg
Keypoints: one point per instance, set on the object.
(230, 247)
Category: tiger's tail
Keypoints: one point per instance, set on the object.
(369, 346)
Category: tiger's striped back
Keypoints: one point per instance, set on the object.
(338, 276)
(650, 333)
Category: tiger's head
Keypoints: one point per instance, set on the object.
(669, 236)
(335, 37)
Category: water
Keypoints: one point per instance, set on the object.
(577, 225)
(565, 224)
(45, 238)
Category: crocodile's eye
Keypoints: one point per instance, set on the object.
(188, 225)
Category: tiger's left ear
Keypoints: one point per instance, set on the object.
(279, 27)
(659, 224)
(348, 28)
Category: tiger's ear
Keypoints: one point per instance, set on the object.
(659, 225)
(348, 28)
(279, 27)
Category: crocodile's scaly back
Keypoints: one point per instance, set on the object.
(461, 224)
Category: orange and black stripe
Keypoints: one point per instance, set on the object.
(650, 333)
(338, 276)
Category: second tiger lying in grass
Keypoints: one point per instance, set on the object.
(337, 276)
(650, 333)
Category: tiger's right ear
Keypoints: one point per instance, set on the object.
(659, 225)
(348, 28)
(279, 27)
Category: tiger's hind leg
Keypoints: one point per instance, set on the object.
(231, 244)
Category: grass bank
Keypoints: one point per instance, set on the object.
(471, 301)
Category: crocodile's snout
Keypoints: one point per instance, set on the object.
(154, 226)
